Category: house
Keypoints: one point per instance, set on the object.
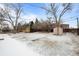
(24, 28)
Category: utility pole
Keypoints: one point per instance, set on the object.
(77, 26)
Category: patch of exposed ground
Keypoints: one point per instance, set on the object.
(47, 43)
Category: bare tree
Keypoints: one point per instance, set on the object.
(1, 20)
(12, 14)
(53, 9)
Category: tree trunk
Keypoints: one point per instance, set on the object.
(77, 31)
(58, 30)
(14, 29)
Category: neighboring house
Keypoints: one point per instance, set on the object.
(27, 30)
(24, 28)
(64, 26)
(72, 30)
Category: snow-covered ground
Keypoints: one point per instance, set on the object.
(36, 44)
(12, 47)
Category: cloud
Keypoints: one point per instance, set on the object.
(30, 17)
(1, 6)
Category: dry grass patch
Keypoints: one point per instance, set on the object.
(45, 43)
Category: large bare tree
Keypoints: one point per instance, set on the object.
(57, 11)
(1, 20)
(12, 14)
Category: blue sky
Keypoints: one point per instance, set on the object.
(33, 7)
(32, 11)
